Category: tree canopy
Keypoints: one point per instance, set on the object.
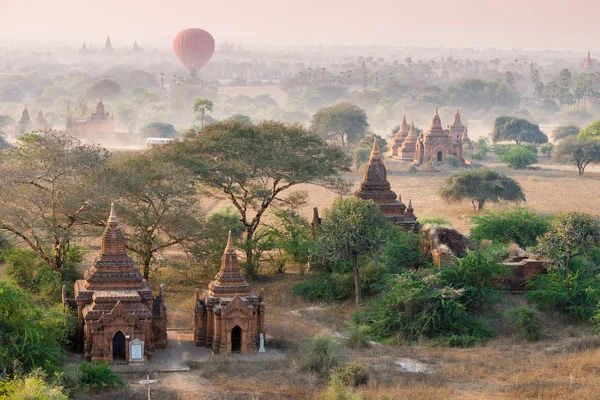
(480, 186)
(252, 165)
(104, 88)
(480, 94)
(579, 151)
(591, 131)
(517, 129)
(343, 120)
(159, 130)
(564, 131)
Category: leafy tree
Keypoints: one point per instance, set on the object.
(580, 151)
(352, 227)
(104, 88)
(480, 186)
(30, 333)
(367, 141)
(571, 235)
(33, 386)
(360, 156)
(343, 120)
(244, 119)
(3, 143)
(159, 130)
(47, 191)
(591, 131)
(518, 225)
(547, 149)
(479, 94)
(202, 106)
(565, 131)
(157, 201)
(509, 78)
(254, 164)
(519, 157)
(401, 251)
(290, 235)
(517, 129)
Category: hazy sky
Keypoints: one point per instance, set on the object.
(528, 24)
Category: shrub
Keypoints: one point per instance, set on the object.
(500, 148)
(441, 221)
(358, 336)
(322, 355)
(99, 377)
(519, 157)
(452, 161)
(401, 251)
(351, 375)
(518, 225)
(327, 287)
(360, 156)
(476, 276)
(337, 391)
(33, 386)
(526, 321)
(547, 149)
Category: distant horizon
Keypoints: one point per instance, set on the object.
(527, 25)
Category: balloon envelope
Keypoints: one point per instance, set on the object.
(193, 47)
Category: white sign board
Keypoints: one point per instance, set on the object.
(136, 350)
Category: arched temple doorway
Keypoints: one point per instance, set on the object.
(440, 156)
(236, 339)
(118, 346)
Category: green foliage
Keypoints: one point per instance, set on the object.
(479, 94)
(526, 321)
(325, 286)
(565, 131)
(481, 149)
(519, 225)
(578, 151)
(338, 391)
(350, 375)
(104, 88)
(30, 333)
(517, 129)
(571, 234)
(159, 130)
(345, 121)
(591, 131)
(547, 149)
(358, 336)
(360, 156)
(99, 377)
(291, 234)
(3, 143)
(367, 141)
(435, 220)
(401, 251)
(321, 356)
(480, 186)
(519, 157)
(452, 161)
(33, 386)
(476, 276)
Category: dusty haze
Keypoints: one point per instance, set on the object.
(529, 24)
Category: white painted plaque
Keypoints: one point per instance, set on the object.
(262, 343)
(136, 350)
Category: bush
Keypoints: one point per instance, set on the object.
(401, 251)
(321, 356)
(337, 391)
(33, 386)
(519, 157)
(518, 225)
(440, 221)
(326, 287)
(452, 161)
(350, 375)
(99, 377)
(547, 149)
(476, 276)
(526, 321)
(358, 336)
(360, 156)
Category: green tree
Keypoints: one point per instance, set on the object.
(157, 202)
(571, 235)
(104, 88)
(351, 228)
(564, 131)
(253, 165)
(547, 149)
(518, 225)
(360, 156)
(519, 157)
(30, 333)
(202, 106)
(591, 131)
(517, 129)
(580, 151)
(47, 190)
(480, 186)
(343, 120)
(479, 94)
(159, 130)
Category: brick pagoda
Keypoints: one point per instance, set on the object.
(230, 317)
(376, 187)
(121, 318)
(398, 139)
(438, 143)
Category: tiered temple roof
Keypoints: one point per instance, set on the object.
(229, 280)
(588, 65)
(398, 139)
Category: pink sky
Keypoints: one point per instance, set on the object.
(528, 24)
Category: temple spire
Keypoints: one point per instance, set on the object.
(113, 220)
(230, 247)
(375, 153)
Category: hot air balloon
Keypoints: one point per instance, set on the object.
(193, 47)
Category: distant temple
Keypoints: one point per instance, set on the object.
(376, 187)
(409, 146)
(588, 65)
(438, 143)
(108, 49)
(99, 122)
(121, 318)
(230, 318)
(24, 124)
(40, 123)
(398, 139)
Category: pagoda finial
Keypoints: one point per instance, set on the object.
(230, 247)
(375, 153)
(113, 220)
(436, 111)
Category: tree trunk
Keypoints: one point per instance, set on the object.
(147, 267)
(250, 269)
(202, 126)
(357, 287)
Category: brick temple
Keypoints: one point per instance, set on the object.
(230, 317)
(438, 143)
(376, 187)
(121, 318)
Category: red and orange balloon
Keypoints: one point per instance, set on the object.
(193, 47)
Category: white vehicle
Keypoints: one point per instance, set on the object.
(155, 142)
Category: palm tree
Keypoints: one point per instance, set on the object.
(202, 106)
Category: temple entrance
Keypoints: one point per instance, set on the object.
(118, 346)
(236, 339)
(440, 156)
